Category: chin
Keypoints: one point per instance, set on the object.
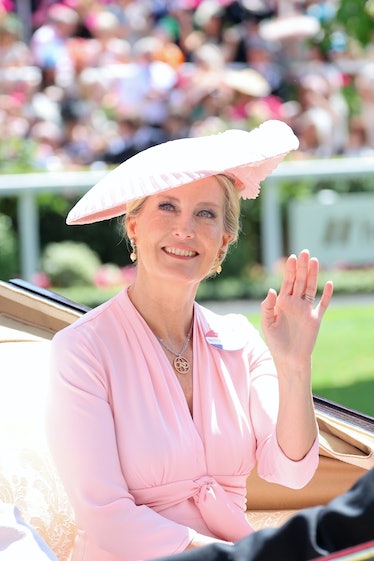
(186, 276)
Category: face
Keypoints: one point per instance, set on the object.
(180, 233)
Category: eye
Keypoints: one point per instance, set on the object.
(207, 213)
(166, 206)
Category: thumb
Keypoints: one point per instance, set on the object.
(268, 307)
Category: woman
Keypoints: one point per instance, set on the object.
(159, 408)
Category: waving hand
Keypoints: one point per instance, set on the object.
(290, 321)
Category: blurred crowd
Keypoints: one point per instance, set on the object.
(91, 82)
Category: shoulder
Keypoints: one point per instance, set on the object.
(96, 321)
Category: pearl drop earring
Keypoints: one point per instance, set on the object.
(133, 255)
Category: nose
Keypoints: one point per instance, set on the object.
(184, 226)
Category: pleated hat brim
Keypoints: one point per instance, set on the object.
(248, 157)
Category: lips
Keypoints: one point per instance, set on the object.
(180, 252)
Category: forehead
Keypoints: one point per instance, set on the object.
(207, 189)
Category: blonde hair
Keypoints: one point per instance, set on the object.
(231, 215)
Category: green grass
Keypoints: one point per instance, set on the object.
(343, 359)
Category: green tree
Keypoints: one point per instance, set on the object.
(8, 249)
(356, 18)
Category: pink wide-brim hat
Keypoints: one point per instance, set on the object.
(248, 157)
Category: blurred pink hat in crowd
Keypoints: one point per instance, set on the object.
(247, 157)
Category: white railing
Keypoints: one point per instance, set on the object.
(27, 186)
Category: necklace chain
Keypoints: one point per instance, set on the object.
(181, 364)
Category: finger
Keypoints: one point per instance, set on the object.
(311, 286)
(302, 270)
(289, 276)
(325, 299)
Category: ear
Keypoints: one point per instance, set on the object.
(130, 226)
(226, 240)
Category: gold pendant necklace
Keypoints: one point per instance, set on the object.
(181, 364)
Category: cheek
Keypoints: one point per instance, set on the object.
(215, 235)
(147, 226)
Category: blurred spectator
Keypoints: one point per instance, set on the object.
(49, 45)
(49, 138)
(358, 143)
(200, 83)
(316, 118)
(147, 82)
(135, 18)
(246, 85)
(263, 56)
(167, 50)
(364, 83)
(13, 51)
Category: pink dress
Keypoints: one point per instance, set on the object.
(141, 473)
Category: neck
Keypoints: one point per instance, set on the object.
(167, 310)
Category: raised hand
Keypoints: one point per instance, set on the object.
(290, 321)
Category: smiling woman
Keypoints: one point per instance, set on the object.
(190, 223)
(209, 210)
(159, 408)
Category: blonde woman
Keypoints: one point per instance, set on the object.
(160, 408)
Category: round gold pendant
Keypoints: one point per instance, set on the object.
(181, 365)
